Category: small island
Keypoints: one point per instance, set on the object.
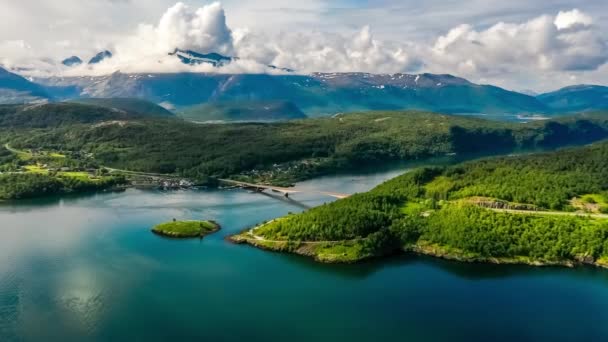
(186, 229)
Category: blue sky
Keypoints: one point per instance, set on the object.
(511, 43)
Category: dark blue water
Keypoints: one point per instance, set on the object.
(88, 268)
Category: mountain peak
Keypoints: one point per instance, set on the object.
(579, 87)
(100, 57)
(72, 61)
(381, 81)
(195, 58)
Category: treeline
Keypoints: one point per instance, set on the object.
(425, 207)
(30, 185)
(320, 145)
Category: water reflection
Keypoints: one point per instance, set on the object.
(288, 200)
(88, 268)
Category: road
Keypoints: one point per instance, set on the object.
(550, 213)
(147, 174)
(282, 189)
(8, 147)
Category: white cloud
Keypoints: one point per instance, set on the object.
(497, 43)
(325, 52)
(205, 30)
(565, 20)
(565, 43)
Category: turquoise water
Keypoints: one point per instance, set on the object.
(87, 268)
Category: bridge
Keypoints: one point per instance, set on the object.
(285, 191)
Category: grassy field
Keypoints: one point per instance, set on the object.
(186, 229)
(36, 169)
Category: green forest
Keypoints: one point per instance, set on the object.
(278, 153)
(30, 185)
(429, 211)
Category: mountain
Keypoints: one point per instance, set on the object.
(529, 92)
(194, 58)
(264, 111)
(318, 94)
(576, 98)
(52, 115)
(72, 61)
(98, 58)
(17, 89)
(136, 106)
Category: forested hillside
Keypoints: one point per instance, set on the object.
(51, 116)
(284, 152)
(509, 209)
(130, 105)
(30, 185)
(250, 111)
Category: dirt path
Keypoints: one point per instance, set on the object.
(550, 213)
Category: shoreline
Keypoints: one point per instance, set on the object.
(306, 249)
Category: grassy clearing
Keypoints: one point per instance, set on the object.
(414, 208)
(345, 252)
(595, 198)
(36, 169)
(594, 203)
(57, 155)
(77, 174)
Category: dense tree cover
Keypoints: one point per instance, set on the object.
(7, 159)
(492, 234)
(352, 218)
(544, 180)
(57, 114)
(28, 185)
(130, 105)
(243, 111)
(426, 206)
(318, 145)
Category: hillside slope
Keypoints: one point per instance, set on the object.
(53, 115)
(243, 111)
(284, 152)
(131, 105)
(316, 95)
(16, 89)
(576, 98)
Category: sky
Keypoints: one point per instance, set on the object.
(516, 44)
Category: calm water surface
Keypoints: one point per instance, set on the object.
(88, 268)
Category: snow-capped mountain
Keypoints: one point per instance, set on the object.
(190, 57)
(194, 58)
(315, 94)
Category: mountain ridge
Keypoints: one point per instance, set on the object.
(581, 97)
(17, 89)
(316, 94)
